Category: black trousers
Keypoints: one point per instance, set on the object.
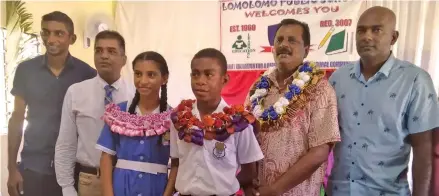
(37, 184)
(76, 175)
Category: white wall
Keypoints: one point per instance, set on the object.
(177, 30)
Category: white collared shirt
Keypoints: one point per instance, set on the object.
(81, 126)
(201, 173)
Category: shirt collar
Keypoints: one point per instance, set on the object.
(272, 76)
(218, 109)
(116, 84)
(385, 69)
(69, 61)
(138, 112)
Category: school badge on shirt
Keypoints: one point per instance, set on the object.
(219, 150)
(166, 138)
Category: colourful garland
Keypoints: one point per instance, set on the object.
(303, 77)
(124, 123)
(218, 126)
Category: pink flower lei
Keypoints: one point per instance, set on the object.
(124, 123)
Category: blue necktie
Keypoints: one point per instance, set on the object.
(108, 94)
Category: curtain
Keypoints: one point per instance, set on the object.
(418, 26)
(177, 30)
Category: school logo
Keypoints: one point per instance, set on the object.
(243, 46)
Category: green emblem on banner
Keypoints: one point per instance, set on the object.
(240, 46)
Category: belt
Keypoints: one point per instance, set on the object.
(152, 168)
(89, 170)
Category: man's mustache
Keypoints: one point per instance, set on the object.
(283, 51)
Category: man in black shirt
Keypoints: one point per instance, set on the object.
(40, 85)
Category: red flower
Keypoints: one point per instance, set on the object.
(238, 108)
(230, 111)
(199, 124)
(181, 107)
(182, 122)
(208, 120)
(187, 115)
(226, 110)
(188, 103)
(218, 123)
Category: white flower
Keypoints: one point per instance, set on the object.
(298, 82)
(257, 111)
(261, 92)
(304, 76)
(301, 74)
(253, 97)
(278, 107)
(284, 101)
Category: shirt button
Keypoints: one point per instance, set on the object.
(352, 180)
(365, 86)
(140, 175)
(353, 163)
(141, 142)
(358, 123)
(362, 104)
(141, 157)
(355, 143)
(139, 194)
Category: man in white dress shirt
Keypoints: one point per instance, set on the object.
(81, 123)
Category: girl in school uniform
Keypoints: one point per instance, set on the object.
(135, 138)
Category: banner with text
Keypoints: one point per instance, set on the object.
(248, 29)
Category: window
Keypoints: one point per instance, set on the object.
(30, 48)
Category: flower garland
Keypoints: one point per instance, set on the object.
(124, 123)
(303, 77)
(218, 126)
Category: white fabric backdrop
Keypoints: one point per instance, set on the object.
(178, 30)
(418, 25)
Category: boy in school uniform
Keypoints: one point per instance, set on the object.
(209, 139)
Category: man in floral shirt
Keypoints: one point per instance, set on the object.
(297, 111)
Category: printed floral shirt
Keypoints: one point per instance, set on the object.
(314, 125)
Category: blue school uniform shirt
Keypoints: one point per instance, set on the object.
(375, 118)
(142, 149)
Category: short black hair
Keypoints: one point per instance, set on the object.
(109, 34)
(215, 54)
(58, 16)
(306, 36)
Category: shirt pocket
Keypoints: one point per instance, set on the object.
(222, 154)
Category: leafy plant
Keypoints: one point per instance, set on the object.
(18, 23)
(19, 36)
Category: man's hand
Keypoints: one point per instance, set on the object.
(15, 183)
